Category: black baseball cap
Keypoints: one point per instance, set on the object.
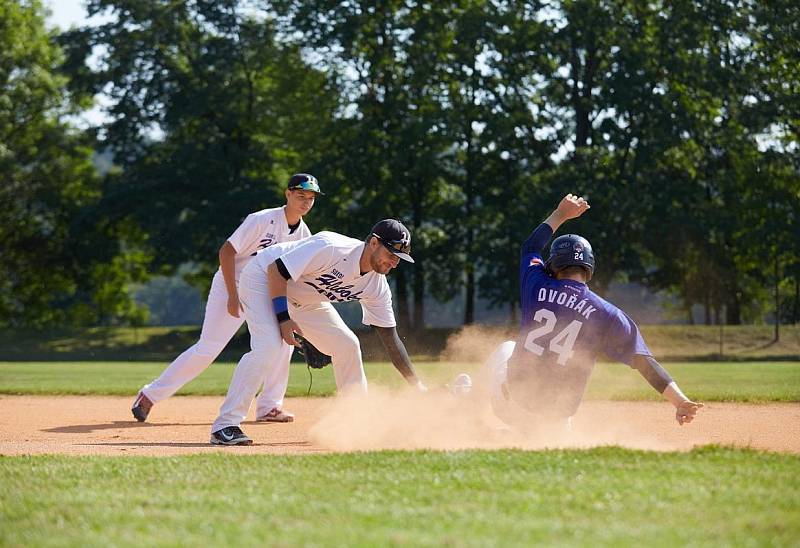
(395, 237)
(304, 181)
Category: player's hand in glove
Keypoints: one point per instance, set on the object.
(288, 330)
(686, 411)
(313, 356)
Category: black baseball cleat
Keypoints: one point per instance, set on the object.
(141, 407)
(230, 435)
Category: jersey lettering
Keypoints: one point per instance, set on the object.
(332, 288)
(264, 243)
(566, 300)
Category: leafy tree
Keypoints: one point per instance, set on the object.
(714, 77)
(468, 119)
(659, 112)
(775, 37)
(210, 114)
(61, 262)
(473, 158)
(386, 58)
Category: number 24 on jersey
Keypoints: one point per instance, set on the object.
(561, 344)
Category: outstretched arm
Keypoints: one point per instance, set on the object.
(651, 370)
(570, 207)
(398, 354)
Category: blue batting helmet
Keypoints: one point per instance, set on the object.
(570, 250)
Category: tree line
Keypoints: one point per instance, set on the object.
(467, 119)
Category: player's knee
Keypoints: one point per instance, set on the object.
(348, 346)
(259, 356)
(500, 356)
(209, 349)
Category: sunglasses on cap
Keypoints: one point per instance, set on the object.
(394, 237)
(304, 182)
(400, 246)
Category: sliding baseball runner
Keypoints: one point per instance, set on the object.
(540, 379)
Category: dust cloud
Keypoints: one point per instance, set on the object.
(473, 343)
(442, 420)
(447, 419)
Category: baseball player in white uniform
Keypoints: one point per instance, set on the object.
(288, 288)
(223, 317)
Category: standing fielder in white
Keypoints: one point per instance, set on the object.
(223, 317)
(289, 288)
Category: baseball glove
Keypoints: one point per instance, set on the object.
(314, 358)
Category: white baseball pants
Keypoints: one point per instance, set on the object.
(497, 364)
(321, 325)
(219, 327)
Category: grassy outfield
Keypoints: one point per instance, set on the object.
(668, 342)
(606, 496)
(752, 382)
(126, 378)
(705, 381)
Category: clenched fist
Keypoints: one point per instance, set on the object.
(686, 411)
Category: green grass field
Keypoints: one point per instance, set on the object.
(599, 497)
(668, 342)
(706, 381)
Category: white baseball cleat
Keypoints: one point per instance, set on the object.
(276, 415)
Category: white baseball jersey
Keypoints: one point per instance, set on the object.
(260, 230)
(325, 268)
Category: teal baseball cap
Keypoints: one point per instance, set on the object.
(304, 181)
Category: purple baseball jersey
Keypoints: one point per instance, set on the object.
(565, 326)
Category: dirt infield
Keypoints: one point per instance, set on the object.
(92, 425)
